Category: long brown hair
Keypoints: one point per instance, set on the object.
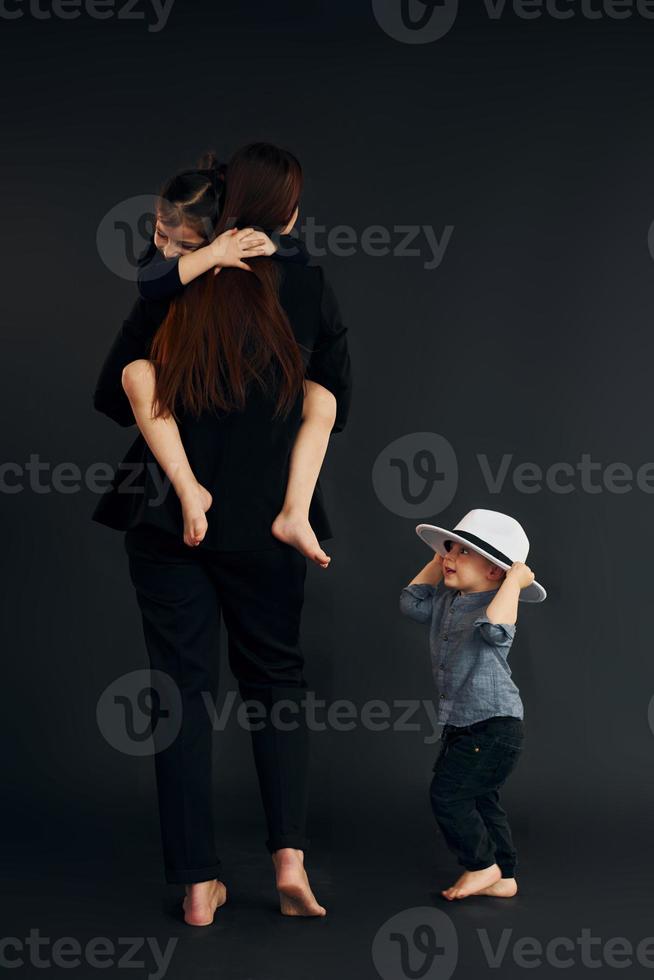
(227, 331)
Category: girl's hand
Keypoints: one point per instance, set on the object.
(521, 574)
(233, 246)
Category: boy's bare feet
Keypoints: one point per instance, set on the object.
(504, 888)
(195, 501)
(202, 900)
(295, 530)
(471, 882)
(295, 895)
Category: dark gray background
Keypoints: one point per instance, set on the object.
(533, 138)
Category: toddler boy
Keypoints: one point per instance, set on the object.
(469, 594)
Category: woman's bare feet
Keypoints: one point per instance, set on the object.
(202, 900)
(472, 882)
(504, 888)
(295, 895)
(195, 501)
(295, 530)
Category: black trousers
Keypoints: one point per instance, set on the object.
(181, 593)
(473, 763)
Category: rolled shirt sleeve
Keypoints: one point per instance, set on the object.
(495, 634)
(329, 364)
(417, 600)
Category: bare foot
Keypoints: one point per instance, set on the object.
(295, 530)
(202, 900)
(472, 882)
(295, 895)
(195, 502)
(504, 888)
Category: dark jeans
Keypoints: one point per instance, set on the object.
(473, 763)
(181, 593)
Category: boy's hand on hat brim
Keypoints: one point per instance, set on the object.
(521, 574)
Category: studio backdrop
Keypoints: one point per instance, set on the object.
(478, 197)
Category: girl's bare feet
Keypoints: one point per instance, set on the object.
(295, 895)
(195, 501)
(295, 530)
(472, 882)
(202, 900)
(504, 888)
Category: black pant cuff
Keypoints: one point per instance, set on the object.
(287, 840)
(478, 865)
(191, 876)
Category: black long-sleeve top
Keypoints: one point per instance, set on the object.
(241, 458)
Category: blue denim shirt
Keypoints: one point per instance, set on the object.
(468, 653)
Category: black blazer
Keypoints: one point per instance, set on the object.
(241, 458)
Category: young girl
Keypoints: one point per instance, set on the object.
(183, 249)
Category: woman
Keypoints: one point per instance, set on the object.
(251, 338)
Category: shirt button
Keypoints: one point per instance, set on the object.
(445, 636)
(442, 697)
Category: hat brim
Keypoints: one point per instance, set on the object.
(436, 537)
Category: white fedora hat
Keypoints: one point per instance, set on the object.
(496, 536)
